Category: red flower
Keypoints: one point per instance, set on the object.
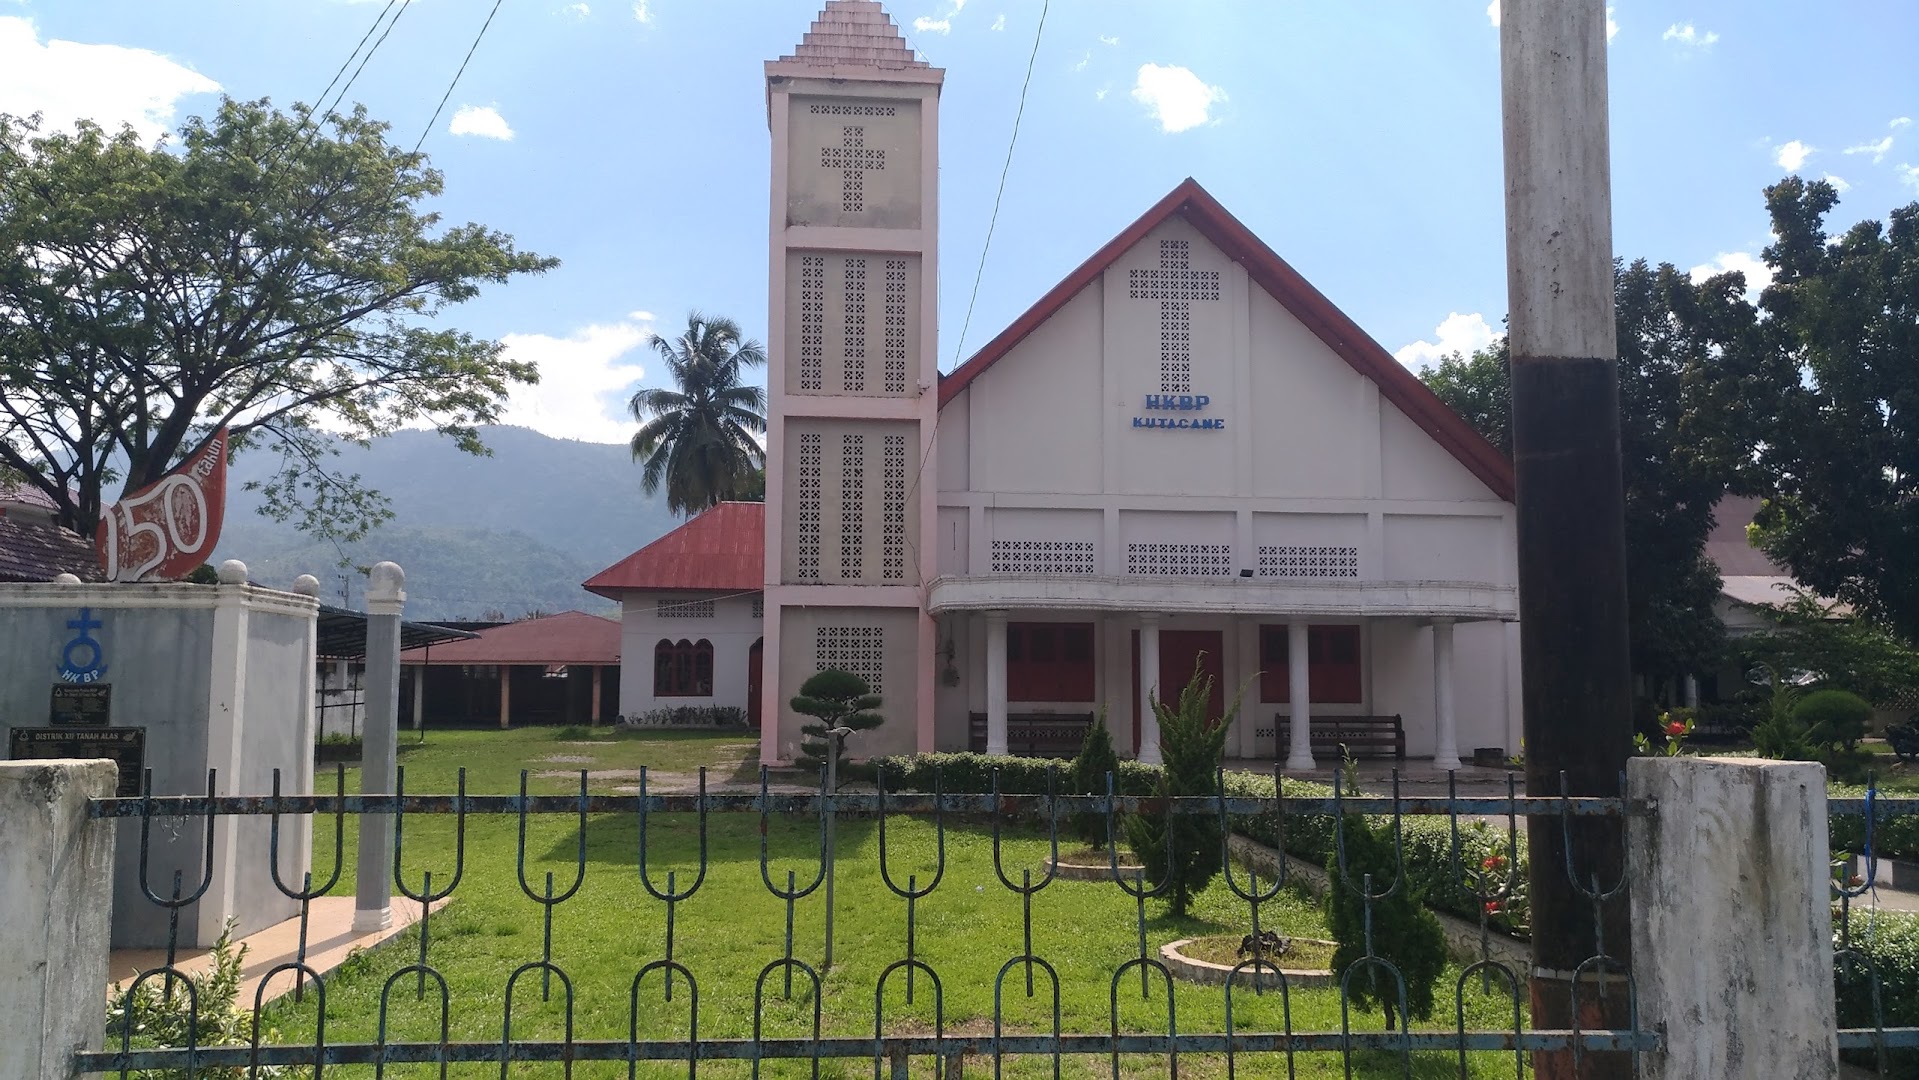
(1492, 862)
(1855, 881)
(1675, 729)
(1492, 907)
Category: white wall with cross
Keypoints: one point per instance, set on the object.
(1174, 285)
(854, 163)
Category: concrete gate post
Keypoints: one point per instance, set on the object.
(56, 886)
(385, 596)
(1732, 918)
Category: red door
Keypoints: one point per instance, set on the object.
(753, 677)
(1179, 650)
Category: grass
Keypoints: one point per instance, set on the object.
(732, 927)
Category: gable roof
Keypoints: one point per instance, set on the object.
(1396, 384)
(34, 552)
(571, 637)
(722, 549)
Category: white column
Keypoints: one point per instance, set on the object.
(419, 694)
(1692, 692)
(1729, 890)
(996, 683)
(385, 598)
(57, 892)
(1445, 727)
(1148, 686)
(1299, 757)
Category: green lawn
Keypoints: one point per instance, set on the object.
(732, 927)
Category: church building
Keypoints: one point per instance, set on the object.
(1182, 456)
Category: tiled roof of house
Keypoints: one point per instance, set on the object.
(721, 550)
(30, 552)
(571, 637)
(854, 33)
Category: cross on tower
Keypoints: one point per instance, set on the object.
(1175, 284)
(852, 158)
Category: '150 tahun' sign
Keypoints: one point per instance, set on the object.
(164, 530)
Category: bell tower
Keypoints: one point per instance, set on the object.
(853, 376)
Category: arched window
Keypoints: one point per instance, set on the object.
(683, 668)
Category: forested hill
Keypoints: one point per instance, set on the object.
(514, 532)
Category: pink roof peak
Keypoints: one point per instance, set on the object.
(854, 33)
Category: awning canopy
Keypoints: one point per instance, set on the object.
(342, 634)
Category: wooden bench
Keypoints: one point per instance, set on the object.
(1050, 735)
(1363, 736)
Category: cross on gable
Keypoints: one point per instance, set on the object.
(1175, 284)
(853, 160)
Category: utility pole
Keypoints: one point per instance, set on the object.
(1576, 665)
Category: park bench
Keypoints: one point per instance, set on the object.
(1362, 736)
(1053, 735)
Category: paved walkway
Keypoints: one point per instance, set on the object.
(330, 940)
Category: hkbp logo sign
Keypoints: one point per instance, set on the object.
(82, 659)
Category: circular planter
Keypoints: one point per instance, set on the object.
(1101, 870)
(1207, 973)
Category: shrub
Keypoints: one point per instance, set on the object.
(1892, 837)
(686, 716)
(1833, 718)
(1403, 932)
(833, 698)
(1891, 942)
(1181, 852)
(159, 1020)
(1095, 762)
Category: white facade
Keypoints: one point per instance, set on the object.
(731, 624)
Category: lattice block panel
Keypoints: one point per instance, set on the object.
(683, 609)
(759, 607)
(857, 650)
(853, 162)
(852, 321)
(1308, 561)
(851, 520)
(1043, 557)
(1174, 285)
(809, 507)
(1179, 560)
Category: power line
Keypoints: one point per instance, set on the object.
(437, 109)
(356, 52)
(320, 109)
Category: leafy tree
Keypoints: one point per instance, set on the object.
(275, 272)
(1182, 851)
(1834, 718)
(1404, 933)
(1860, 652)
(833, 698)
(1677, 460)
(700, 439)
(1837, 454)
(1095, 761)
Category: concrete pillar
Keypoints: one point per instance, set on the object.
(1299, 694)
(506, 695)
(57, 891)
(1692, 691)
(385, 597)
(593, 717)
(996, 683)
(1148, 751)
(1731, 917)
(419, 697)
(1445, 726)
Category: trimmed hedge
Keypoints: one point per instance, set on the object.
(1426, 839)
(1891, 942)
(1892, 837)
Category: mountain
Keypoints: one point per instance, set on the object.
(513, 532)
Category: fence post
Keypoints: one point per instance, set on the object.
(385, 597)
(1732, 917)
(57, 891)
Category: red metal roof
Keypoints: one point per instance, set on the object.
(723, 550)
(571, 637)
(1295, 294)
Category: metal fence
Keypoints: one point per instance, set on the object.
(1258, 1046)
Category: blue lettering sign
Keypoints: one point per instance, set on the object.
(1179, 403)
(80, 659)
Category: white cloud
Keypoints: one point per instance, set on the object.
(1838, 183)
(112, 85)
(642, 12)
(1792, 155)
(1612, 26)
(1900, 121)
(1758, 274)
(585, 381)
(999, 23)
(578, 11)
(943, 24)
(1083, 61)
(1908, 175)
(1876, 149)
(1175, 97)
(1100, 94)
(1104, 40)
(1691, 37)
(1455, 334)
(1492, 12)
(482, 120)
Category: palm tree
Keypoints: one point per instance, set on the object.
(700, 439)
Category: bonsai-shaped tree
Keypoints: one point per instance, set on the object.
(1405, 934)
(1833, 718)
(1191, 743)
(835, 699)
(1096, 759)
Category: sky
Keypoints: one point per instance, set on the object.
(1360, 141)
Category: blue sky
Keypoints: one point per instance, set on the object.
(1360, 141)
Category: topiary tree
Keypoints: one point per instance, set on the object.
(1834, 718)
(835, 699)
(1096, 759)
(1404, 933)
(1191, 743)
